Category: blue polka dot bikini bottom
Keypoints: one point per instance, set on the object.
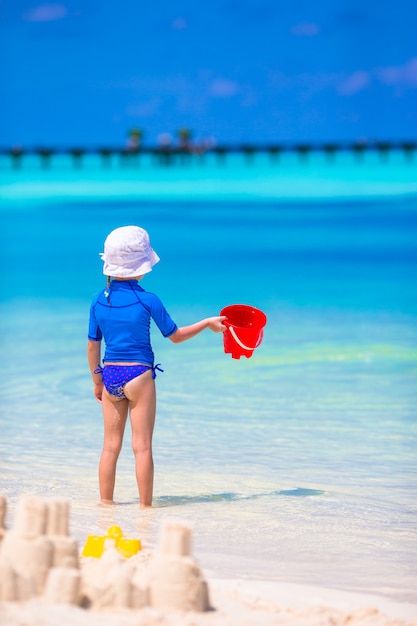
(115, 377)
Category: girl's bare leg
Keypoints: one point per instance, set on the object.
(142, 403)
(114, 415)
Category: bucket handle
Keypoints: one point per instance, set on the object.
(242, 345)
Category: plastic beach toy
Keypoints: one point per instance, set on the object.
(245, 329)
(96, 544)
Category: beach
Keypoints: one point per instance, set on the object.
(235, 603)
(46, 578)
(235, 606)
(296, 467)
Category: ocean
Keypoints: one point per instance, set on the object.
(298, 464)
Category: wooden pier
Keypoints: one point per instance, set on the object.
(169, 155)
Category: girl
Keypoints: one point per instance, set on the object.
(121, 315)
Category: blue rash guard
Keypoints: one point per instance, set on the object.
(123, 319)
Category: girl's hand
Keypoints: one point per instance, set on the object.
(98, 391)
(188, 332)
(216, 324)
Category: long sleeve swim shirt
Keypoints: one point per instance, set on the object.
(123, 319)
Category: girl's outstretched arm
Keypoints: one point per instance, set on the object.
(188, 332)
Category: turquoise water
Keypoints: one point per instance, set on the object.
(298, 464)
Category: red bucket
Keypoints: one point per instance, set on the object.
(245, 329)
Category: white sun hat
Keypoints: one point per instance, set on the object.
(128, 253)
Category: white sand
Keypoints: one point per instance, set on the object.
(235, 603)
(168, 577)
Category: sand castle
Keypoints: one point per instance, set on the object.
(38, 558)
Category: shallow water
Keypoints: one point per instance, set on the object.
(297, 464)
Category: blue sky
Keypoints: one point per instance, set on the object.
(83, 72)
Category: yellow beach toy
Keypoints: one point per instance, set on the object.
(96, 544)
